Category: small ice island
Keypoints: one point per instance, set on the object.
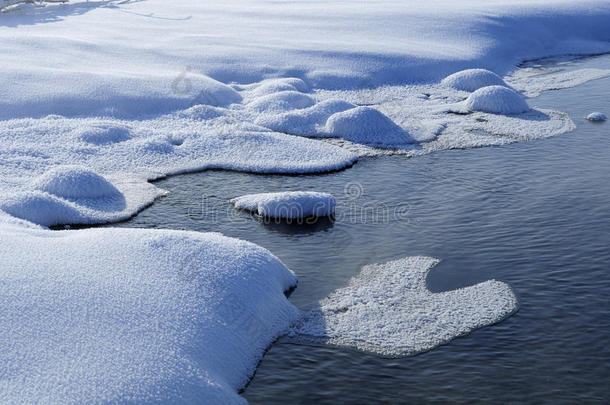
(287, 204)
(597, 116)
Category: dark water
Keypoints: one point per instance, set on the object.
(536, 215)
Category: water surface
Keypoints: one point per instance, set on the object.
(535, 215)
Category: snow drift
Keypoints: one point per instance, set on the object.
(473, 79)
(135, 316)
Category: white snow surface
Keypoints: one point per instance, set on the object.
(135, 316)
(388, 310)
(473, 79)
(597, 116)
(287, 204)
(497, 100)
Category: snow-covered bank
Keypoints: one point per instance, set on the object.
(388, 310)
(135, 316)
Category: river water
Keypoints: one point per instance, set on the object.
(535, 215)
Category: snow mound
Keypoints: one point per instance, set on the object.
(278, 85)
(201, 112)
(597, 116)
(388, 310)
(497, 100)
(41, 208)
(72, 182)
(305, 122)
(281, 102)
(289, 204)
(367, 126)
(102, 134)
(473, 79)
(135, 316)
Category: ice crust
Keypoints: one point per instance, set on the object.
(388, 310)
(287, 204)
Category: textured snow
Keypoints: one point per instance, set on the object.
(135, 316)
(388, 310)
(597, 116)
(287, 204)
(473, 79)
(533, 81)
(497, 100)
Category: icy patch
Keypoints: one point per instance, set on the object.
(597, 116)
(497, 100)
(367, 126)
(388, 310)
(473, 79)
(135, 316)
(288, 204)
(532, 82)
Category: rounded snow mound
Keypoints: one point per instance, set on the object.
(278, 85)
(497, 100)
(201, 112)
(597, 116)
(41, 208)
(473, 79)
(102, 134)
(282, 101)
(73, 182)
(288, 204)
(367, 126)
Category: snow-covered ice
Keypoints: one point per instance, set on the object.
(597, 116)
(388, 310)
(135, 316)
(497, 100)
(287, 204)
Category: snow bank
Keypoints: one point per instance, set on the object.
(473, 79)
(287, 204)
(597, 116)
(280, 102)
(388, 310)
(367, 126)
(497, 100)
(135, 316)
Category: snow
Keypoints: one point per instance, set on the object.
(497, 100)
(74, 182)
(597, 116)
(135, 316)
(388, 310)
(367, 126)
(287, 204)
(472, 79)
(531, 82)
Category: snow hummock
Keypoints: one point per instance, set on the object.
(135, 316)
(287, 204)
(597, 116)
(367, 126)
(497, 100)
(73, 182)
(473, 79)
(388, 310)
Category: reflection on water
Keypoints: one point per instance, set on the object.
(532, 214)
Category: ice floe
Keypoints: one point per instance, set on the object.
(287, 204)
(497, 100)
(388, 310)
(473, 79)
(597, 116)
(135, 316)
